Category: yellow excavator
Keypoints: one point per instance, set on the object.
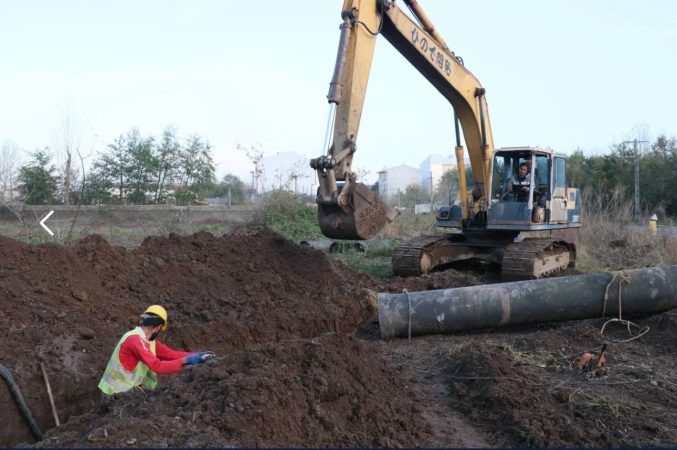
(516, 189)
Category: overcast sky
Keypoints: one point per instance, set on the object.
(562, 74)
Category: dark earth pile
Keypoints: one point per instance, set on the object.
(300, 359)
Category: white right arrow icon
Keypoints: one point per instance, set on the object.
(42, 223)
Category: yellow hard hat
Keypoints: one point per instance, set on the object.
(160, 312)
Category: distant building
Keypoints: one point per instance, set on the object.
(395, 180)
(433, 168)
(7, 195)
(423, 208)
(285, 170)
(217, 201)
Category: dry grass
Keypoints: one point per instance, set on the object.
(617, 407)
(408, 224)
(528, 359)
(611, 240)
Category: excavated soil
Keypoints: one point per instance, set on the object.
(300, 360)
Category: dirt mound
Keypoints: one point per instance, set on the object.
(317, 392)
(301, 362)
(69, 306)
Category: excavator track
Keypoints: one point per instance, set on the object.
(536, 258)
(410, 256)
(527, 259)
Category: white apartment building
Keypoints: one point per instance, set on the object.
(395, 180)
(433, 168)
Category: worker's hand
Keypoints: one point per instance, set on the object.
(193, 359)
(205, 356)
(199, 357)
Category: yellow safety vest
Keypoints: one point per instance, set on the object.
(117, 379)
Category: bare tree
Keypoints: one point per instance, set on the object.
(255, 154)
(298, 170)
(66, 140)
(10, 161)
(81, 196)
(362, 173)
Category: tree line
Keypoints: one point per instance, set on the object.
(138, 169)
(611, 175)
(134, 169)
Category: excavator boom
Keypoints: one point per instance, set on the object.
(341, 214)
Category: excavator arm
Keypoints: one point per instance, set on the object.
(352, 211)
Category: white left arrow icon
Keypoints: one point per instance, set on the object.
(42, 223)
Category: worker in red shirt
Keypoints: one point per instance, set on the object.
(139, 357)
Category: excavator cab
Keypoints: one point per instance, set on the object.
(537, 199)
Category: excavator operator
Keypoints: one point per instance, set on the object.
(518, 185)
(139, 357)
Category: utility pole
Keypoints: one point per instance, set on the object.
(432, 191)
(636, 154)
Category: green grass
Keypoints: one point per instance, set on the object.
(376, 261)
(282, 212)
(408, 224)
(214, 229)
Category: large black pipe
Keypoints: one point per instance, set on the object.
(18, 397)
(643, 291)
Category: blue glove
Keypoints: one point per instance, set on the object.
(199, 357)
(193, 359)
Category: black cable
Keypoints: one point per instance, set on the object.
(380, 25)
(21, 402)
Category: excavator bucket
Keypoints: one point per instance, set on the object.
(363, 217)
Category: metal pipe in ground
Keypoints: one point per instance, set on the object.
(643, 291)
